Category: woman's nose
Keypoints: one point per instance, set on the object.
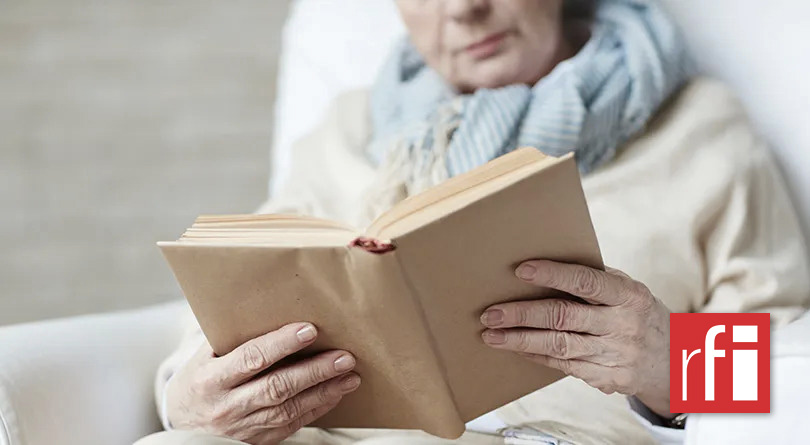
(466, 10)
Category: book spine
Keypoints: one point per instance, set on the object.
(405, 367)
(444, 419)
(372, 245)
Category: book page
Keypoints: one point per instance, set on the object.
(460, 191)
(359, 301)
(465, 261)
(270, 221)
(275, 230)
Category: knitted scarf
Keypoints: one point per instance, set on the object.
(590, 104)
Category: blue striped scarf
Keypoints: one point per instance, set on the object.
(589, 104)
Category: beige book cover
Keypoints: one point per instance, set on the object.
(405, 295)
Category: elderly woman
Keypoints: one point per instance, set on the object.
(685, 199)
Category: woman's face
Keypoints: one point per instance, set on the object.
(486, 43)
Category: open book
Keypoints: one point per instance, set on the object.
(405, 294)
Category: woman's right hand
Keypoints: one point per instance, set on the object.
(233, 396)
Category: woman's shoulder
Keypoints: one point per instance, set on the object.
(704, 122)
(348, 115)
(702, 105)
(699, 146)
(342, 131)
(710, 92)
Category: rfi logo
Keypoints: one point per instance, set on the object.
(720, 363)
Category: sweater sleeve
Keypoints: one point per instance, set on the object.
(192, 340)
(756, 258)
(288, 200)
(316, 186)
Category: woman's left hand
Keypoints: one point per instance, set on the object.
(617, 343)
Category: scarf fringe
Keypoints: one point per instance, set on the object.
(589, 104)
(412, 167)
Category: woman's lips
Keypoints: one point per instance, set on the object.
(486, 47)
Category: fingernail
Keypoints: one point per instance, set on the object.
(492, 317)
(344, 363)
(350, 382)
(494, 337)
(306, 334)
(526, 271)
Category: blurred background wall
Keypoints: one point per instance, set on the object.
(120, 121)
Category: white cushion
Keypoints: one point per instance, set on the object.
(85, 380)
(328, 47)
(759, 48)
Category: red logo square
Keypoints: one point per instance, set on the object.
(720, 363)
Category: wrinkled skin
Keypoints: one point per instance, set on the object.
(235, 396)
(618, 343)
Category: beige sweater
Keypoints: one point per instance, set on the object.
(694, 208)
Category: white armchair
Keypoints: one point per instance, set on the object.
(89, 379)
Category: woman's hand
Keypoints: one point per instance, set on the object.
(618, 343)
(233, 396)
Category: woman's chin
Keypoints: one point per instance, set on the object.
(492, 80)
(495, 72)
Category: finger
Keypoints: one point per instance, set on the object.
(604, 378)
(617, 272)
(260, 353)
(202, 356)
(583, 370)
(326, 394)
(276, 435)
(553, 313)
(580, 369)
(592, 285)
(562, 345)
(309, 417)
(285, 383)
